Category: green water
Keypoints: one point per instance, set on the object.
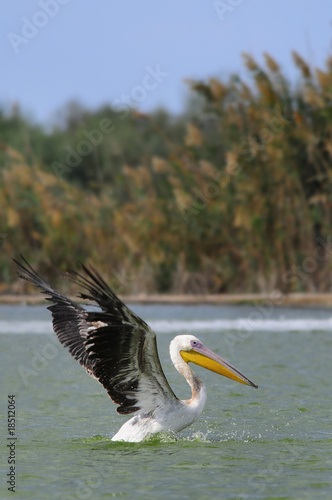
(270, 443)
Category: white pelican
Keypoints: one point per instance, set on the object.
(119, 349)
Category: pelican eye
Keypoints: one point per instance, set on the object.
(195, 343)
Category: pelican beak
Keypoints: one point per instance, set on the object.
(202, 356)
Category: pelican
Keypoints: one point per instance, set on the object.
(119, 349)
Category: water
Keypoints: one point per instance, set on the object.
(270, 443)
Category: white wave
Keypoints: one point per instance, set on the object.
(246, 324)
(191, 326)
(34, 326)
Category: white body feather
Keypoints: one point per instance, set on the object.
(171, 415)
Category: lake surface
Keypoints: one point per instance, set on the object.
(270, 443)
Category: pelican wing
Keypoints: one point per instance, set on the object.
(70, 320)
(114, 344)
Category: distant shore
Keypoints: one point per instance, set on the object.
(292, 299)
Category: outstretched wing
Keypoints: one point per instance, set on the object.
(114, 344)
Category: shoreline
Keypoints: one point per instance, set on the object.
(291, 299)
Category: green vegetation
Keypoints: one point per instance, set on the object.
(233, 196)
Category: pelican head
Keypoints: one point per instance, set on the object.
(191, 349)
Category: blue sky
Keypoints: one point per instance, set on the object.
(53, 51)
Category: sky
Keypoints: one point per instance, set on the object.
(140, 53)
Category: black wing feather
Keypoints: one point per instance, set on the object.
(120, 351)
(69, 318)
